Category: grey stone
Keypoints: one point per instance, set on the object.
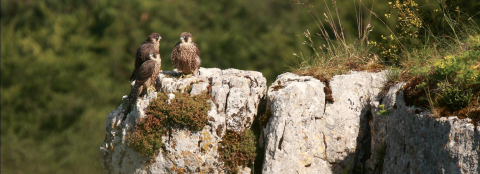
(346, 118)
(418, 142)
(294, 140)
(307, 135)
(236, 96)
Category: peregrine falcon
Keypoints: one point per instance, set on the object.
(186, 55)
(146, 76)
(151, 45)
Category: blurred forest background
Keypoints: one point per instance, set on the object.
(65, 64)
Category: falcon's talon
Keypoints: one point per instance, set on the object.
(151, 89)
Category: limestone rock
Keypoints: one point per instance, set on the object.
(416, 142)
(236, 96)
(345, 125)
(307, 135)
(294, 141)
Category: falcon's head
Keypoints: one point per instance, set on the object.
(154, 37)
(186, 37)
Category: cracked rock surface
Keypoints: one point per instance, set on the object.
(293, 136)
(307, 135)
(236, 95)
(415, 142)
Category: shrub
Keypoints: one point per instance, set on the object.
(238, 150)
(409, 24)
(147, 136)
(462, 69)
(184, 110)
(453, 96)
(449, 82)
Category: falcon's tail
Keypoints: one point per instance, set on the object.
(132, 98)
(134, 74)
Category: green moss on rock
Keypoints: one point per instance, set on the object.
(184, 110)
(238, 150)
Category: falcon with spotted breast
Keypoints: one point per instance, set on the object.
(186, 55)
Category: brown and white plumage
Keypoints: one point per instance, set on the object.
(146, 76)
(186, 55)
(151, 45)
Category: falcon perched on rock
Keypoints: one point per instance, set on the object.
(146, 76)
(151, 45)
(186, 55)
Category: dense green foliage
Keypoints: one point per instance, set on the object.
(66, 64)
(184, 110)
(447, 84)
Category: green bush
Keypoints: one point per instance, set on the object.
(454, 97)
(449, 82)
(147, 136)
(409, 23)
(461, 69)
(184, 110)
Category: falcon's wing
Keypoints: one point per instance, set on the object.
(197, 50)
(145, 72)
(142, 53)
(141, 56)
(175, 54)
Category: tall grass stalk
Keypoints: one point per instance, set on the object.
(335, 55)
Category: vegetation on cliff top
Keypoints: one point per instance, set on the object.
(434, 47)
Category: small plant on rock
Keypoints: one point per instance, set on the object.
(147, 136)
(183, 110)
(238, 150)
(454, 96)
(382, 110)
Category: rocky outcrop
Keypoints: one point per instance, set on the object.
(307, 135)
(411, 141)
(364, 130)
(236, 96)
